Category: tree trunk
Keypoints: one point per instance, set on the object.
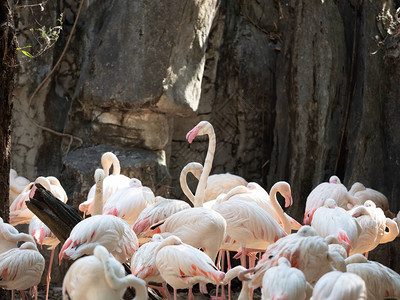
(7, 71)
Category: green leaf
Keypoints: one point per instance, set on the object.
(27, 53)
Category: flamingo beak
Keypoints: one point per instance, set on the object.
(192, 134)
(308, 217)
(288, 200)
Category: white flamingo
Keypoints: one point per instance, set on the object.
(182, 265)
(10, 237)
(333, 189)
(363, 194)
(381, 281)
(285, 282)
(199, 227)
(101, 277)
(107, 230)
(373, 223)
(112, 182)
(21, 268)
(338, 285)
(333, 220)
(128, 203)
(17, 185)
(143, 265)
(305, 250)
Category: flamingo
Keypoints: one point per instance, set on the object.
(333, 220)
(112, 183)
(373, 223)
(17, 185)
(381, 281)
(143, 264)
(199, 227)
(285, 282)
(272, 207)
(43, 235)
(107, 230)
(248, 226)
(363, 194)
(38, 230)
(21, 268)
(159, 211)
(128, 203)
(338, 285)
(333, 189)
(305, 250)
(100, 276)
(182, 265)
(19, 212)
(10, 237)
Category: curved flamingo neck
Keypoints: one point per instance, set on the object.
(110, 159)
(278, 209)
(393, 231)
(195, 169)
(15, 237)
(201, 187)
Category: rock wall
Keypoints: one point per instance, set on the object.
(296, 91)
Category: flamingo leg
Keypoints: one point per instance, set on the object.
(252, 262)
(12, 295)
(23, 295)
(190, 294)
(175, 294)
(36, 292)
(48, 274)
(228, 259)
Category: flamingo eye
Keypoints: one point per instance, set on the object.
(270, 257)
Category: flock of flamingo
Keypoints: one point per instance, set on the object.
(168, 242)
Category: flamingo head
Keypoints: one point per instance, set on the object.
(135, 183)
(334, 179)
(202, 128)
(308, 216)
(192, 134)
(345, 242)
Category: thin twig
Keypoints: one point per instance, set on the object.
(48, 77)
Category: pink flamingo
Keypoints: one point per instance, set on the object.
(333, 189)
(340, 285)
(363, 194)
(19, 212)
(381, 281)
(107, 230)
(143, 265)
(17, 185)
(112, 183)
(333, 220)
(199, 227)
(305, 250)
(128, 203)
(43, 235)
(182, 265)
(100, 276)
(285, 282)
(373, 223)
(159, 211)
(10, 237)
(21, 268)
